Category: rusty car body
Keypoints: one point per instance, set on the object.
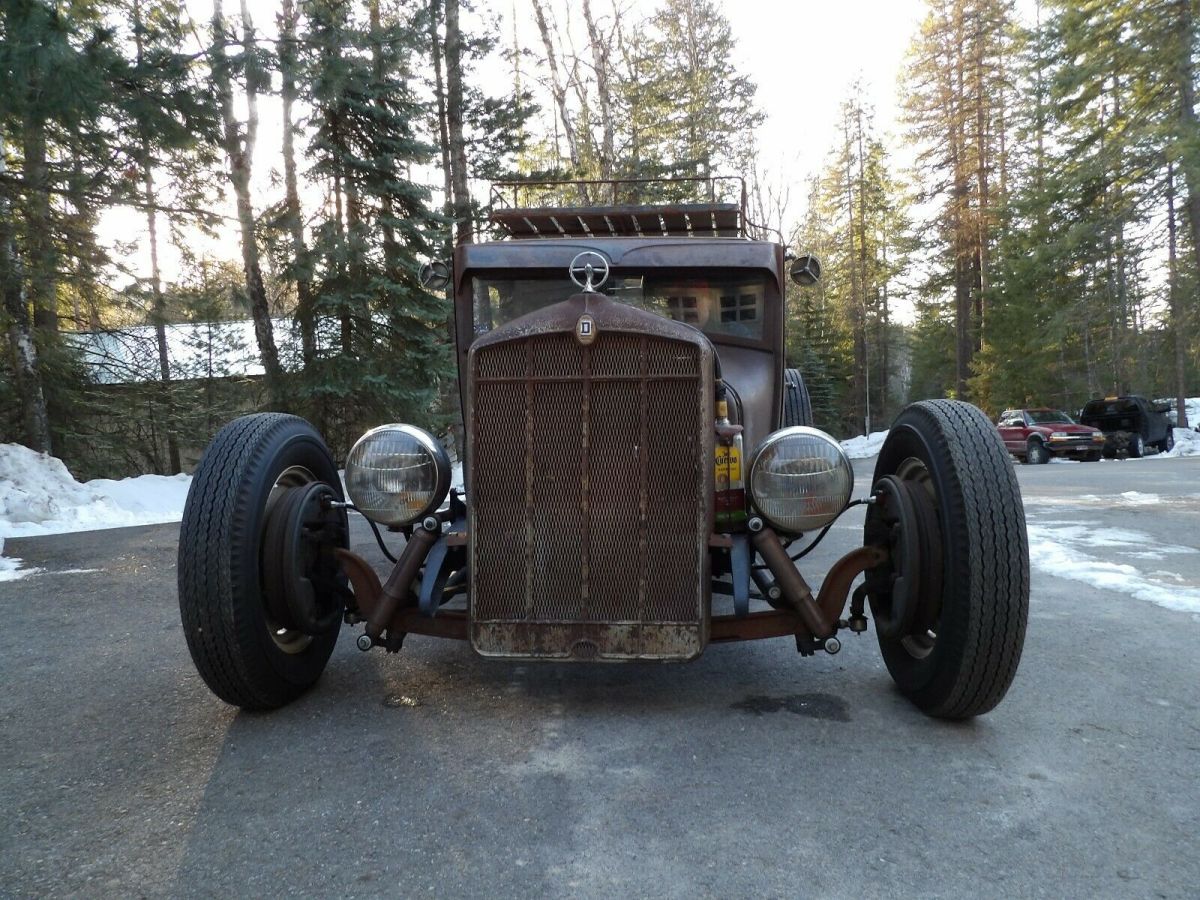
(616, 361)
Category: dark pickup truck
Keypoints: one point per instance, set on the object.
(1130, 424)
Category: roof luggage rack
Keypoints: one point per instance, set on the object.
(635, 207)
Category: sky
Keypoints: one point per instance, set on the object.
(803, 55)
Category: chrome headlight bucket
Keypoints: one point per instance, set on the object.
(800, 479)
(396, 474)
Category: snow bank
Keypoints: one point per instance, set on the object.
(1187, 443)
(863, 447)
(39, 496)
(1061, 549)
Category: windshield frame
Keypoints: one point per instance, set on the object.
(771, 312)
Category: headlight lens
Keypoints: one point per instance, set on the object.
(800, 479)
(395, 474)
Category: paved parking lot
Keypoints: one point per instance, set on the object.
(749, 772)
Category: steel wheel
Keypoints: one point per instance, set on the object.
(951, 603)
(260, 590)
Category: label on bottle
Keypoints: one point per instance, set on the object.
(729, 465)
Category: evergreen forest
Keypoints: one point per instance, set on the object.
(209, 208)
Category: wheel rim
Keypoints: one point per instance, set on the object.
(289, 640)
(906, 597)
(920, 644)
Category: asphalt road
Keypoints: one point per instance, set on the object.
(750, 772)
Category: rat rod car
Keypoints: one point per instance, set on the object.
(615, 360)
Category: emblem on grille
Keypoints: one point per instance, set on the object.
(585, 329)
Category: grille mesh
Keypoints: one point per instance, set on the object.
(588, 501)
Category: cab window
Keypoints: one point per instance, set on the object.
(718, 303)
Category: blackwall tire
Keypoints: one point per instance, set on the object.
(962, 657)
(1137, 447)
(1036, 453)
(797, 405)
(1167, 444)
(242, 657)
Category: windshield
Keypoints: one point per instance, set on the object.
(719, 303)
(1049, 417)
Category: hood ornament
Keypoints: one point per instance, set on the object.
(588, 270)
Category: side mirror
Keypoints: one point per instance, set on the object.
(806, 270)
(434, 275)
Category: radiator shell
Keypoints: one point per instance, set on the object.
(589, 486)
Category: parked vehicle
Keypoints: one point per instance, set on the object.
(1132, 425)
(1038, 435)
(615, 363)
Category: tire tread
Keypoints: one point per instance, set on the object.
(213, 536)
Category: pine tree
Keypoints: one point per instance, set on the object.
(390, 355)
(955, 112)
(858, 223)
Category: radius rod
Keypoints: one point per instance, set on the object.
(821, 617)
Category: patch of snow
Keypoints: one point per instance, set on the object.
(39, 496)
(1058, 550)
(456, 477)
(1062, 459)
(1127, 498)
(10, 567)
(1115, 538)
(1136, 498)
(864, 447)
(1187, 443)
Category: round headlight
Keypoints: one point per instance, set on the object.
(800, 479)
(395, 474)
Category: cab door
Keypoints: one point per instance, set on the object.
(1012, 429)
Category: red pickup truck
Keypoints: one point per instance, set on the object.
(1035, 435)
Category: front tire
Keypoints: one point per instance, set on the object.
(1036, 453)
(234, 598)
(1167, 444)
(953, 644)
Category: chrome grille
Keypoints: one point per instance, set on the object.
(589, 496)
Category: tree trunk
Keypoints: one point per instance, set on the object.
(600, 55)
(347, 322)
(41, 262)
(862, 262)
(306, 314)
(1186, 33)
(982, 163)
(557, 89)
(158, 312)
(435, 41)
(1178, 327)
(35, 423)
(860, 405)
(463, 225)
(239, 149)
